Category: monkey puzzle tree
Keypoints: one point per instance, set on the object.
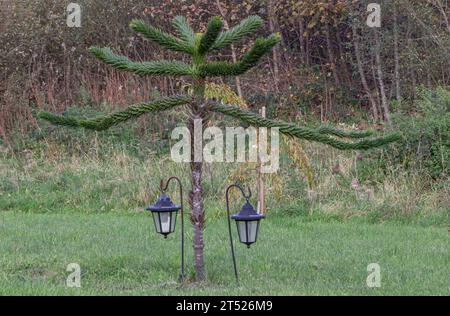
(199, 46)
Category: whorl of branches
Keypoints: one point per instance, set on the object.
(198, 46)
(261, 47)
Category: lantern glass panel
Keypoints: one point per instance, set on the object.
(248, 231)
(173, 221)
(164, 217)
(164, 222)
(157, 221)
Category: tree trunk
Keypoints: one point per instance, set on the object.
(384, 100)
(376, 90)
(444, 13)
(410, 64)
(363, 76)
(331, 58)
(343, 63)
(197, 219)
(198, 112)
(275, 55)
(396, 58)
(301, 38)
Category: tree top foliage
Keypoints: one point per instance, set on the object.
(198, 46)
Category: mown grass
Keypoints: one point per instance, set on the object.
(122, 255)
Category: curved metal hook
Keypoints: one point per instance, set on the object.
(163, 187)
(237, 185)
(249, 194)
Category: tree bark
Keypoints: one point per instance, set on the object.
(363, 76)
(331, 57)
(198, 112)
(444, 13)
(343, 63)
(384, 100)
(197, 219)
(396, 58)
(275, 55)
(301, 38)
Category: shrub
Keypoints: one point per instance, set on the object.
(426, 133)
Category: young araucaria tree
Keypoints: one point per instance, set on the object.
(199, 46)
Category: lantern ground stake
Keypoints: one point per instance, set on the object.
(164, 216)
(247, 222)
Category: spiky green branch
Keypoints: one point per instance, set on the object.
(248, 61)
(162, 38)
(343, 134)
(246, 27)
(212, 31)
(103, 123)
(184, 30)
(148, 68)
(301, 132)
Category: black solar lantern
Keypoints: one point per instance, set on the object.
(247, 222)
(164, 215)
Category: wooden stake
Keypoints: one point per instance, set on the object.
(261, 207)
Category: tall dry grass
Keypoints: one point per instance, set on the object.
(55, 179)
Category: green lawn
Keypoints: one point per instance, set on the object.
(121, 254)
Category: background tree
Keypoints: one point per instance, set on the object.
(199, 46)
(40, 57)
